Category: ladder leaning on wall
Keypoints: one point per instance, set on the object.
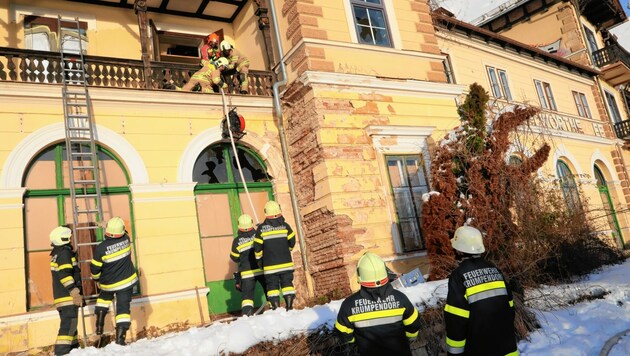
(81, 154)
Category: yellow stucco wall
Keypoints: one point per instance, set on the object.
(545, 24)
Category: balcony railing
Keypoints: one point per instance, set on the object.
(622, 129)
(611, 54)
(29, 66)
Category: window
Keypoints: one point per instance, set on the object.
(590, 41)
(613, 109)
(515, 161)
(220, 198)
(499, 83)
(568, 186)
(408, 179)
(448, 70)
(581, 104)
(42, 33)
(370, 22)
(47, 204)
(609, 209)
(544, 95)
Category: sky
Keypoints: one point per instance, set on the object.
(567, 330)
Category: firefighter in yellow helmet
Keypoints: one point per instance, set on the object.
(273, 244)
(66, 286)
(208, 77)
(239, 64)
(248, 271)
(112, 267)
(479, 310)
(378, 318)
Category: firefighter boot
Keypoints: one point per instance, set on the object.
(275, 302)
(248, 310)
(121, 333)
(289, 300)
(100, 321)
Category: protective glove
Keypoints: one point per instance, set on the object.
(237, 281)
(76, 297)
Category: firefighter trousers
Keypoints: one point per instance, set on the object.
(67, 336)
(123, 305)
(277, 282)
(248, 287)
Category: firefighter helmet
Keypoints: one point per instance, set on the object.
(245, 222)
(225, 46)
(60, 236)
(222, 62)
(115, 227)
(213, 39)
(272, 209)
(467, 239)
(371, 271)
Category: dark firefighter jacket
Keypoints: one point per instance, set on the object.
(479, 311)
(243, 254)
(111, 265)
(273, 243)
(66, 274)
(380, 320)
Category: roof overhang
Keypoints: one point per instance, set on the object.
(616, 73)
(215, 10)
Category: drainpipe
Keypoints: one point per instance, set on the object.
(285, 152)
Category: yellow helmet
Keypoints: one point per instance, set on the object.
(245, 222)
(371, 271)
(272, 209)
(115, 227)
(467, 239)
(60, 236)
(222, 62)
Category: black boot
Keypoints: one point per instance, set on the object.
(121, 333)
(289, 300)
(275, 302)
(248, 310)
(100, 321)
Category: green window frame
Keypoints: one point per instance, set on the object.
(569, 188)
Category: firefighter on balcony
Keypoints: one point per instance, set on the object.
(378, 318)
(479, 310)
(112, 268)
(273, 244)
(66, 286)
(208, 76)
(238, 65)
(210, 50)
(248, 271)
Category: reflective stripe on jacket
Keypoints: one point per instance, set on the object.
(111, 265)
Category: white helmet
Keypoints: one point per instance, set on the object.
(60, 236)
(467, 239)
(222, 62)
(225, 46)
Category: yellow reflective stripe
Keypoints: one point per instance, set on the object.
(455, 343)
(74, 261)
(484, 287)
(67, 280)
(412, 335)
(63, 299)
(457, 311)
(515, 353)
(283, 265)
(65, 266)
(257, 240)
(247, 303)
(273, 293)
(344, 329)
(117, 253)
(291, 235)
(258, 255)
(235, 254)
(97, 264)
(412, 318)
(243, 246)
(96, 276)
(124, 281)
(376, 314)
(123, 316)
(275, 232)
(511, 302)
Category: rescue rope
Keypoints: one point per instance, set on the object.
(238, 161)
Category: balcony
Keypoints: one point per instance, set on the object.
(29, 66)
(614, 63)
(622, 129)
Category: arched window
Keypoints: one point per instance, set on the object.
(608, 206)
(221, 199)
(515, 160)
(569, 188)
(47, 205)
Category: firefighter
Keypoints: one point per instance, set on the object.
(210, 50)
(479, 310)
(115, 274)
(208, 76)
(238, 65)
(248, 271)
(66, 286)
(378, 318)
(273, 244)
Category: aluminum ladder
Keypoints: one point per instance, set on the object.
(81, 154)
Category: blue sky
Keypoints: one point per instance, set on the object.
(625, 6)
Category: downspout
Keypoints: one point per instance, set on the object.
(285, 152)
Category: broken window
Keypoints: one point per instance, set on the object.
(371, 22)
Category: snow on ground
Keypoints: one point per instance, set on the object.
(580, 329)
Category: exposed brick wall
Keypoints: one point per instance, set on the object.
(600, 109)
(572, 34)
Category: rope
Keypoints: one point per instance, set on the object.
(238, 162)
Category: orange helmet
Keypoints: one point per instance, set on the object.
(213, 39)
